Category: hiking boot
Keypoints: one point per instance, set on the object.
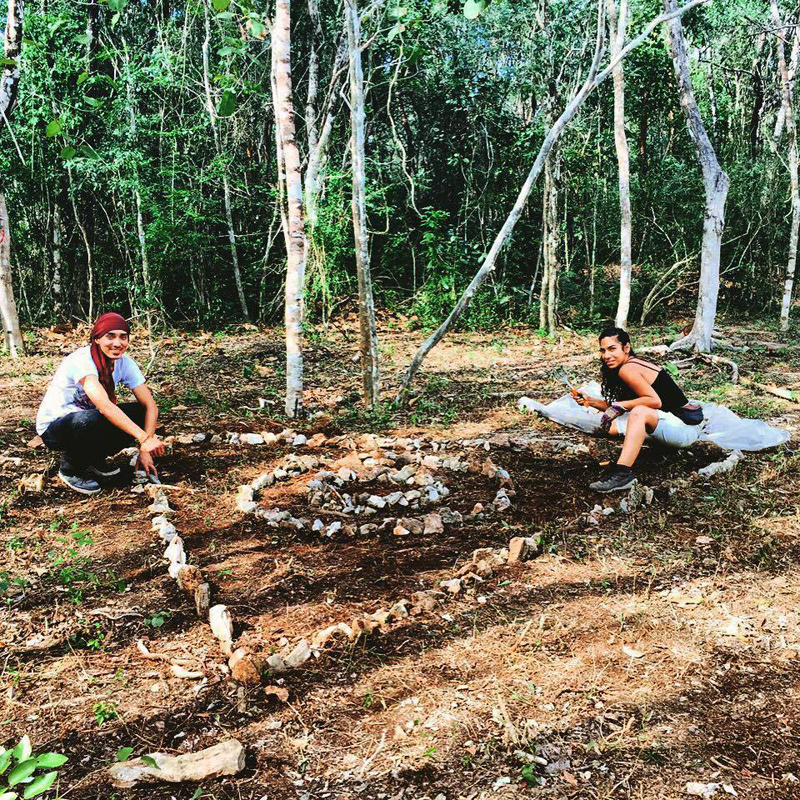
(80, 484)
(616, 480)
(102, 468)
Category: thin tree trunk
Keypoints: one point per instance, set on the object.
(237, 274)
(366, 304)
(791, 135)
(617, 27)
(593, 80)
(313, 75)
(715, 182)
(12, 335)
(553, 165)
(543, 296)
(137, 197)
(9, 87)
(294, 228)
(12, 46)
(86, 244)
(212, 117)
(792, 69)
(317, 152)
(712, 95)
(142, 242)
(58, 299)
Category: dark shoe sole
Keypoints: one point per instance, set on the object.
(628, 485)
(109, 473)
(64, 480)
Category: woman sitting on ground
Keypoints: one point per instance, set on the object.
(640, 400)
(79, 414)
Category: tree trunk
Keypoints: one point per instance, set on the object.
(313, 75)
(593, 80)
(617, 24)
(294, 229)
(12, 46)
(715, 182)
(366, 305)
(791, 135)
(212, 117)
(712, 95)
(86, 243)
(545, 248)
(553, 262)
(8, 307)
(58, 299)
(9, 86)
(792, 69)
(317, 151)
(140, 232)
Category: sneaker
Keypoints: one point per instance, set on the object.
(79, 484)
(615, 481)
(102, 468)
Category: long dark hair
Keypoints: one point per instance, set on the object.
(612, 385)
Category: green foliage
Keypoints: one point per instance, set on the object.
(227, 103)
(528, 774)
(157, 620)
(113, 136)
(104, 712)
(22, 772)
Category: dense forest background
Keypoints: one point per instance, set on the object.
(137, 123)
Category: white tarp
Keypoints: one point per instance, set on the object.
(720, 425)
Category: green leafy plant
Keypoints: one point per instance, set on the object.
(157, 620)
(528, 774)
(104, 712)
(19, 767)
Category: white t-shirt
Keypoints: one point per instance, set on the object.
(65, 393)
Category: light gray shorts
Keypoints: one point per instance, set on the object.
(670, 431)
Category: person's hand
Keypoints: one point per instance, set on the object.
(610, 414)
(578, 397)
(585, 400)
(146, 465)
(153, 446)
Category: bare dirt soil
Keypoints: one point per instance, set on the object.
(640, 652)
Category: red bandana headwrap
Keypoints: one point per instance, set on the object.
(105, 366)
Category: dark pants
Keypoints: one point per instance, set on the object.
(88, 437)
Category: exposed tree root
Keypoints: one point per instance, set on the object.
(707, 357)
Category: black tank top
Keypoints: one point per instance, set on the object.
(670, 394)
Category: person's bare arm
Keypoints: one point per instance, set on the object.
(145, 397)
(633, 378)
(588, 401)
(111, 411)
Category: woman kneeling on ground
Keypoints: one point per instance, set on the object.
(640, 400)
(79, 414)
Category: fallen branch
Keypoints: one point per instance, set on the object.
(100, 612)
(142, 648)
(777, 391)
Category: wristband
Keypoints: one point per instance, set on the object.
(611, 413)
